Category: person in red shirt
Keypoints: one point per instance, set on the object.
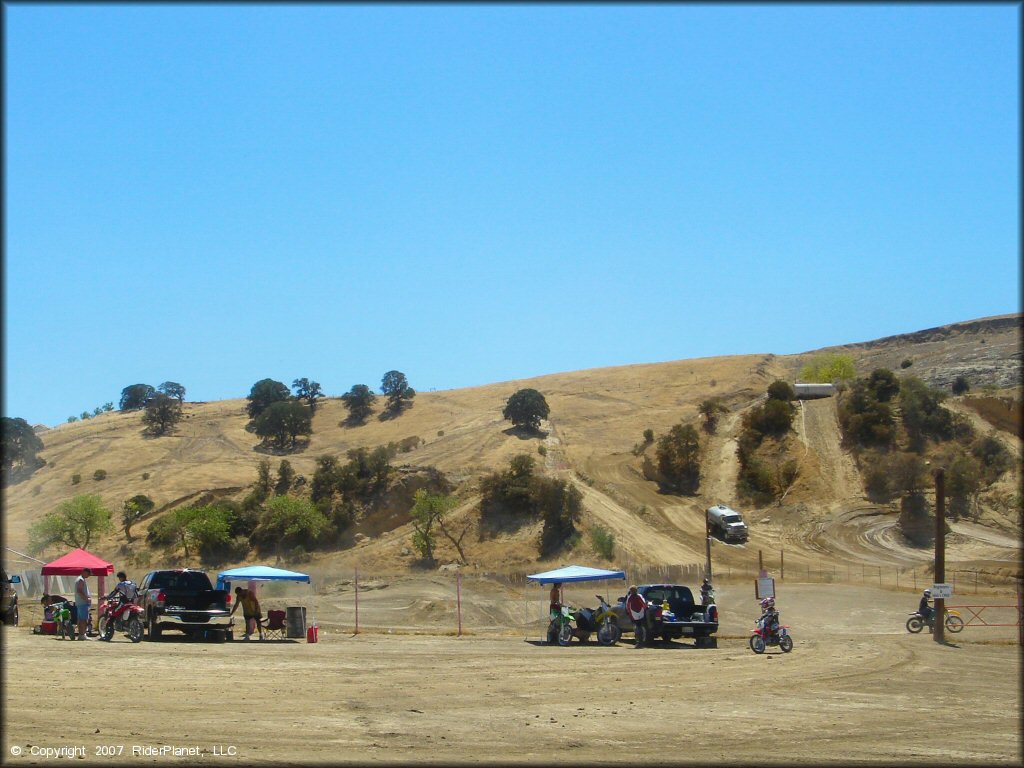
(636, 607)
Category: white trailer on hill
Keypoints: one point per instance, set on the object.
(810, 391)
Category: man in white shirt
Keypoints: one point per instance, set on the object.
(82, 601)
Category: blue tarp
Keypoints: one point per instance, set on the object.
(259, 573)
(571, 573)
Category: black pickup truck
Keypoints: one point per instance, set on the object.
(185, 600)
(684, 617)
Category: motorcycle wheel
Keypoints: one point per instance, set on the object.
(954, 623)
(757, 644)
(564, 634)
(786, 644)
(552, 634)
(914, 625)
(106, 629)
(608, 634)
(135, 629)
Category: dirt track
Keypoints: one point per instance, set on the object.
(856, 687)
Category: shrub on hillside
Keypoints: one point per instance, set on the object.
(678, 457)
(603, 542)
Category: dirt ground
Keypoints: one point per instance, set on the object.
(857, 687)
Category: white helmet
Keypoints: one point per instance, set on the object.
(927, 593)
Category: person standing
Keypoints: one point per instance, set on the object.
(83, 601)
(555, 597)
(636, 606)
(251, 613)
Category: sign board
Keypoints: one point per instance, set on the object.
(764, 588)
(942, 591)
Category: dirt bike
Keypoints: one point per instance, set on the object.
(563, 622)
(608, 632)
(917, 622)
(62, 617)
(762, 637)
(121, 616)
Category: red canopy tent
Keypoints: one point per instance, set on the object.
(72, 564)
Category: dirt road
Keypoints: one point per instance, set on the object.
(856, 687)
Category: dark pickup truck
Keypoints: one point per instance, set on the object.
(684, 618)
(184, 600)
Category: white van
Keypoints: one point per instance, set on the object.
(727, 523)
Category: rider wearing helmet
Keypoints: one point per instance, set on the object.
(923, 608)
(705, 593)
(769, 616)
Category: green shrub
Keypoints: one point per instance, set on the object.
(76, 479)
(781, 390)
(603, 542)
(145, 475)
(906, 363)
(542, 450)
(648, 435)
(961, 385)
(99, 474)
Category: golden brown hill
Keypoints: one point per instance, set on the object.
(597, 417)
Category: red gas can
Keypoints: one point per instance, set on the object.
(311, 634)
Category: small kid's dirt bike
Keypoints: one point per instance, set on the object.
(763, 636)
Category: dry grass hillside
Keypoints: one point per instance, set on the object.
(597, 419)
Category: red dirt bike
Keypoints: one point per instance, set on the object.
(763, 636)
(121, 616)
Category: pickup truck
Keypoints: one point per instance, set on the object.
(685, 618)
(185, 600)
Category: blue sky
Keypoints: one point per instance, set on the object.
(214, 195)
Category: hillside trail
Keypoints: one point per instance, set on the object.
(631, 531)
(722, 465)
(818, 430)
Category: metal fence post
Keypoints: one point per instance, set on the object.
(357, 600)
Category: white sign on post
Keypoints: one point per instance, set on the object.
(764, 588)
(942, 591)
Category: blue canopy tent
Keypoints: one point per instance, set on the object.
(570, 574)
(262, 573)
(258, 573)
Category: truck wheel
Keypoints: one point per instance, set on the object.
(154, 630)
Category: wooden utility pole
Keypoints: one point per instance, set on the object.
(707, 546)
(939, 631)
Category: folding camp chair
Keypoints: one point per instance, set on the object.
(275, 625)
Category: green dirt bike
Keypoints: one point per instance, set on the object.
(66, 629)
(568, 622)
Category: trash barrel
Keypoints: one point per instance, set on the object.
(295, 618)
